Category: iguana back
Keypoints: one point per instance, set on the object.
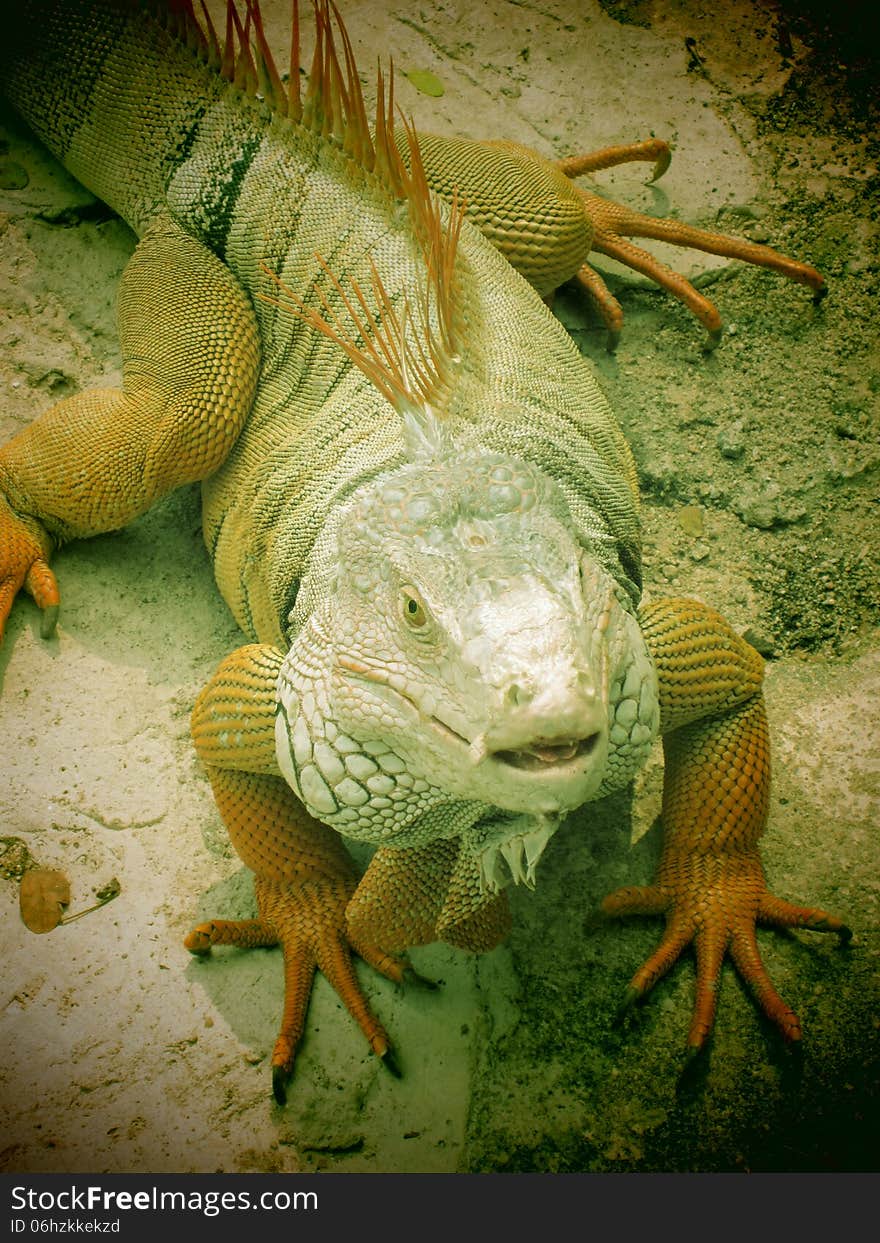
(131, 103)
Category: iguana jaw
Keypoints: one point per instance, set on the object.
(544, 764)
(538, 754)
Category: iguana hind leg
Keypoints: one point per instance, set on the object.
(304, 876)
(546, 226)
(710, 885)
(91, 463)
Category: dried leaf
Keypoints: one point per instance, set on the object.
(42, 897)
(426, 82)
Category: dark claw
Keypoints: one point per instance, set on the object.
(48, 621)
(693, 1071)
(691, 1053)
(819, 294)
(663, 162)
(844, 933)
(411, 976)
(279, 1084)
(612, 340)
(626, 1007)
(389, 1060)
(713, 340)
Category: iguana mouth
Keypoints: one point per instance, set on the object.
(541, 756)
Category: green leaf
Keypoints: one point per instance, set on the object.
(426, 82)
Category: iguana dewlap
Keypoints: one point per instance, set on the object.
(417, 502)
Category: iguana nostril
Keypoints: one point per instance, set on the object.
(519, 696)
(586, 685)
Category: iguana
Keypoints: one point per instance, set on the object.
(417, 502)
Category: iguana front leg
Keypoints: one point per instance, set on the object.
(308, 894)
(190, 360)
(710, 884)
(304, 875)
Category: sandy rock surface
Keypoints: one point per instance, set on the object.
(759, 467)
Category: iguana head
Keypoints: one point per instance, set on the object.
(467, 634)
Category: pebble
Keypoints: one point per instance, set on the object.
(765, 507)
(12, 176)
(730, 442)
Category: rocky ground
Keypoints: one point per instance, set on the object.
(759, 466)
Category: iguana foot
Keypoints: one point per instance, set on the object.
(613, 224)
(716, 903)
(24, 562)
(308, 921)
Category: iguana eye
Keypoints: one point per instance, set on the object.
(413, 609)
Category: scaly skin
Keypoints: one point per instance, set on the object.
(710, 884)
(438, 558)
